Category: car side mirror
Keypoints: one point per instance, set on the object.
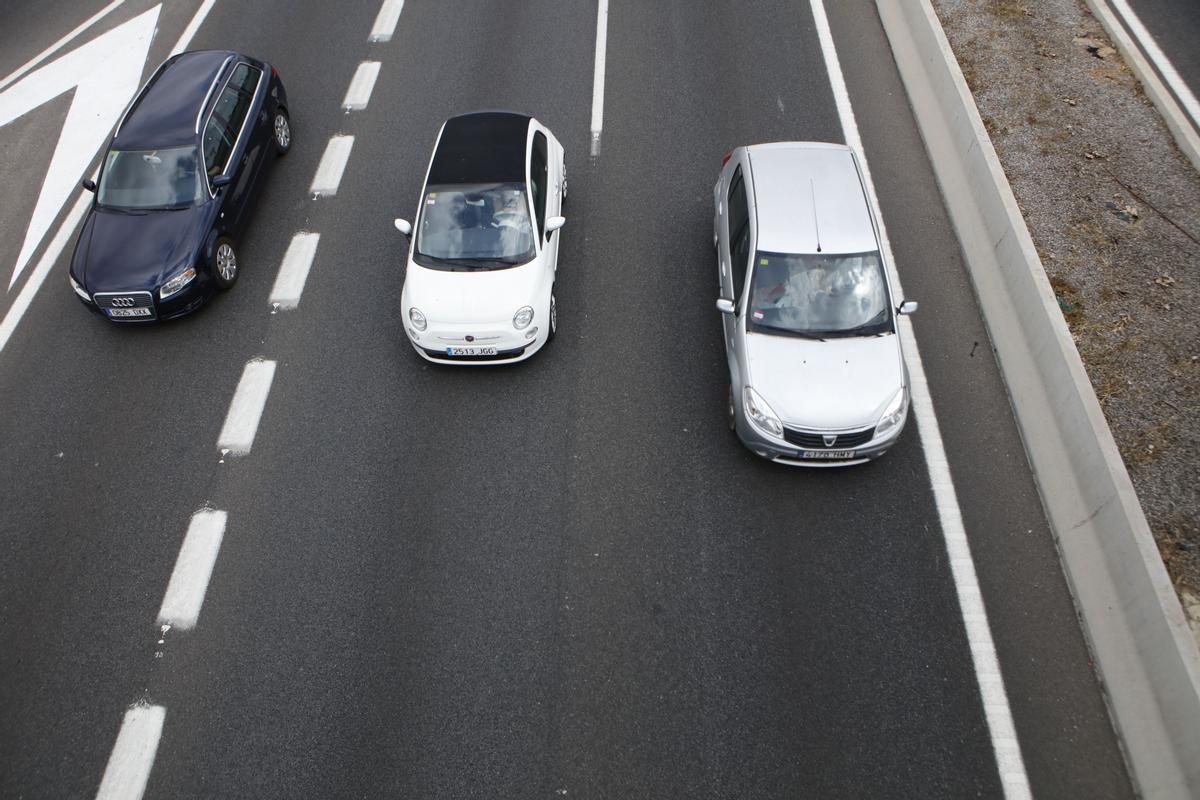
(403, 226)
(907, 307)
(726, 306)
(221, 180)
(89, 184)
(554, 223)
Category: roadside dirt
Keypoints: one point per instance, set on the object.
(1114, 209)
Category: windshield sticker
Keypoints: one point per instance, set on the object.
(764, 261)
(758, 315)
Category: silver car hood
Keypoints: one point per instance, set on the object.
(837, 384)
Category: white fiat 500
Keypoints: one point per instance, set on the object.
(817, 377)
(479, 288)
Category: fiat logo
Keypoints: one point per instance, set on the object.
(470, 338)
(122, 302)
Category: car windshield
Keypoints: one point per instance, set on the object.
(150, 179)
(819, 295)
(474, 226)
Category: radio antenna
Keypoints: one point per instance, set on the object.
(816, 223)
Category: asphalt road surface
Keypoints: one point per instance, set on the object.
(1173, 26)
(564, 578)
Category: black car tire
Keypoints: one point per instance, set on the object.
(553, 323)
(281, 132)
(224, 276)
(730, 411)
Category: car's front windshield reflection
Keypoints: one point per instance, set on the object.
(150, 179)
(819, 295)
(474, 226)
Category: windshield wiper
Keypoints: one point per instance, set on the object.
(790, 332)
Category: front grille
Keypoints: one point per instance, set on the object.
(502, 355)
(124, 300)
(816, 441)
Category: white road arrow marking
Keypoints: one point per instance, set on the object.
(105, 74)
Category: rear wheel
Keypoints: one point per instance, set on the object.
(283, 132)
(225, 263)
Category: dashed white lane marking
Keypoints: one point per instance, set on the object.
(361, 86)
(333, 164)
(1165, 67)
(293, 272)
(385, 23)
(193, 569)
(1005, 745)
(197, 20)
(598, 75)
(83, 26)
(132, 756)
(246, 408)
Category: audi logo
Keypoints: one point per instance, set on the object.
(122, 302)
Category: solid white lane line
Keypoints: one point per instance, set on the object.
(598, 75)
(361, 86)
(293, 272)
(193, 568)
(246, 408)
(1005, 745)
(1165, 67)
(83, 26)
(185, 38)
(333, 164)
(132, 756)
(61, 238)
(385, 23)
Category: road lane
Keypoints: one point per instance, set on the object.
(562, 575)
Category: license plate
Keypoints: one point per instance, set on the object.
(470, 351)
(128, 312)
(827, 454)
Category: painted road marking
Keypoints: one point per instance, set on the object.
(246, 408)
(333, 164)
(1165, 67)
(197, 20)
(83, 26)
(193, 568)
(361, 86)
(996, 710)
(132, 756)
(385, 23)
(105, 74)
(598, 75)
(293, 272)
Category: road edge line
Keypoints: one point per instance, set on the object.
(1145, 654)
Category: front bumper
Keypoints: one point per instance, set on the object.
(437, 343)
(110, 303)
(851, 447)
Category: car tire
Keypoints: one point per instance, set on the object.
(281, 132)
(563, 199)
(730, 411)
(553, 324)
(225, 268)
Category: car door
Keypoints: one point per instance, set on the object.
(258, 131)
(544, 196)
(230, 114)
(733, 247)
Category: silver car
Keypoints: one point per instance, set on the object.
(817, 377)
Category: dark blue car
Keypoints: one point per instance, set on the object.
(177, 185)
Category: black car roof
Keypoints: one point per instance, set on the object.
(164, 115)
(484, 147)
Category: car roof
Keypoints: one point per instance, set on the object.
(483, 147)
(809, 198)
(164, 114)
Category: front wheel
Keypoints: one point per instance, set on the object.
(553, 319)
(225, 263)
(283, 132)
(731, 411)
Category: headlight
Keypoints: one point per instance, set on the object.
(894, 414)
(522, 318)
(758, 412)
(175, 284)
(417, 318)
(78, 289)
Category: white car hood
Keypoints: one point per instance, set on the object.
(481, 296)
(837, 384)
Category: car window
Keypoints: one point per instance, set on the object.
(474, 227)
(245, 78)
(739, 231)
(819, 294)
(231, 108)
(217, 147)
(538, 179)
(149, 179)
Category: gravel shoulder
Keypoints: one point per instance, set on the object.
(1114, 209)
